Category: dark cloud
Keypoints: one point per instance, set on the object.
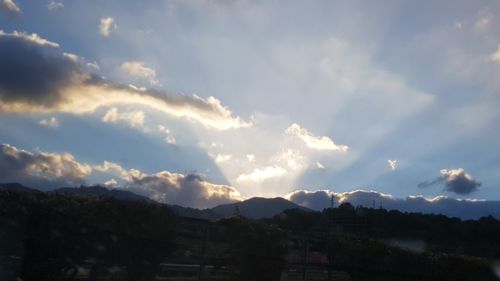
(466, 209)
(455, 180)
(41, 169)
(36, 77)
(31, 75)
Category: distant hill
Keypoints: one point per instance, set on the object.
(14, 186)
(99, 191)
(256, 207)
(206, 214)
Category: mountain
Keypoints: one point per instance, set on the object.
(99, 191)
(256, 207)
(14, 186)
(206, 214)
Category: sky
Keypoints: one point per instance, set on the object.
(202, 102)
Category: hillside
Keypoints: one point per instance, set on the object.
(256, 207)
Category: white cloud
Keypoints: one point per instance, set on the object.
(133, 119)
(33, 38)
(392, 164)
(10, 6)
(259, 175)
(50, 122)
(320, 143)
(53, 5)
(220, 158)
(106, 26)
(138, 69)
(495, 57)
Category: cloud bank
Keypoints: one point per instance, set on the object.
(186, 190)
(42, 169)
(36, 80)
(462, 208)
(172, 188)
(47, 171)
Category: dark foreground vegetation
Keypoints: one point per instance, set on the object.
(51, 237)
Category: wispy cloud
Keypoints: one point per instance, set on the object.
(51, 122)
(33, 37)
(53, 5)
(138, 69)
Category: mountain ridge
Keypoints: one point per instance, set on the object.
(255, 207)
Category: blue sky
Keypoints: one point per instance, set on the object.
(274, 96)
